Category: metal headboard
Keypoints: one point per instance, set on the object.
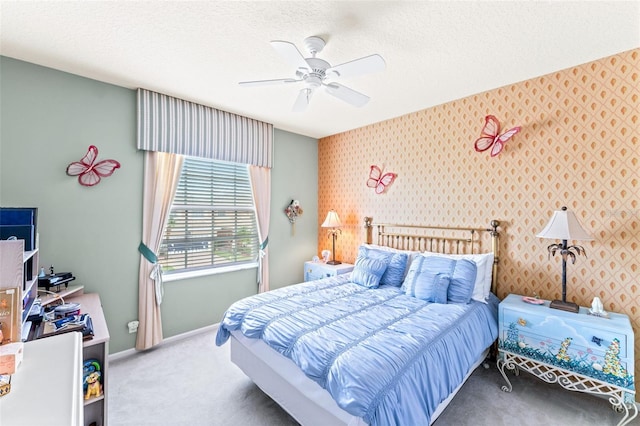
(441, 239)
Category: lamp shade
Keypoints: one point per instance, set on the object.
(564, 225)
(332, 220)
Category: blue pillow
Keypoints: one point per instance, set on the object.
(462, 273)
(423, 279)
(462, 281)
(368, 271)
(397, 263)
(432, 288)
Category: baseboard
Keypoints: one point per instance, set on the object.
(133, 351)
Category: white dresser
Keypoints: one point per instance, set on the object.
(47, 387)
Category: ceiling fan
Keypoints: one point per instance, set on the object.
(315, 72)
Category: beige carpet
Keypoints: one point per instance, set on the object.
(192, 382)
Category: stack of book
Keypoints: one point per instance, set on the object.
(81, 323)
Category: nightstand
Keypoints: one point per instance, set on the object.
(318, 270)
(578, 351)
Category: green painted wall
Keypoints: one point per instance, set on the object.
(295, 176)
(48, 119)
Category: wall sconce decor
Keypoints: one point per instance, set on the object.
(333, 223)
(293, 210)
(564, 226)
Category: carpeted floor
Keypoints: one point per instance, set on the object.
(192, 382)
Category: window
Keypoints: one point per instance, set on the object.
(212, 222)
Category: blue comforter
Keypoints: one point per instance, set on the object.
(382, 355)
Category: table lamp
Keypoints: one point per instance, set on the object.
(333, 223)
(564, 226)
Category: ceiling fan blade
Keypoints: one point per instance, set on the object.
(366, 65)
(348, 95)
(303, 99)
(290, 52)
(268, 82)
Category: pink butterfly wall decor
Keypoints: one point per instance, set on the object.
(88, 171)
(491, 137)
(378, 180)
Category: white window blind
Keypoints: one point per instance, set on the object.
(212, 222)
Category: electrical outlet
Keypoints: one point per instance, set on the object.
(133, 326)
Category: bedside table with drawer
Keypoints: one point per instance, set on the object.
(318, 270)
(580, 352)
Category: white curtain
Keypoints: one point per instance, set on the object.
(161, 176)
(261, 187)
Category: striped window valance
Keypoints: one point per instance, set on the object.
(168, 124)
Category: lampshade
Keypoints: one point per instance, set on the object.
(332, 220)
(564, 225)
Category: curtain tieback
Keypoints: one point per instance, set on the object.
(261, 254)
(156, 271)
(263, 247)
(147, 253)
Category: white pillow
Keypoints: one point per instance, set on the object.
(484, 262)
(411, 254)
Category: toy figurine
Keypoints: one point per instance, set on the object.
(94, 388)
(596, 306)
(92, 376)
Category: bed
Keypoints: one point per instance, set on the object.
(390, 343)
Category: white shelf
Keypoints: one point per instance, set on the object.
(95, 409)
(19, 269)
(28, 255)
(47, 297)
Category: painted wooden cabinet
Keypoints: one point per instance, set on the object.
(581, 352)
(318, 270)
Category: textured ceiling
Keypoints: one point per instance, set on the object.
(435, 51)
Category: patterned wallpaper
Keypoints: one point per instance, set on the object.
(579, 146)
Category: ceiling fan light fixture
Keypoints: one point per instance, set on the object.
(312, 81)
(316, 72)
